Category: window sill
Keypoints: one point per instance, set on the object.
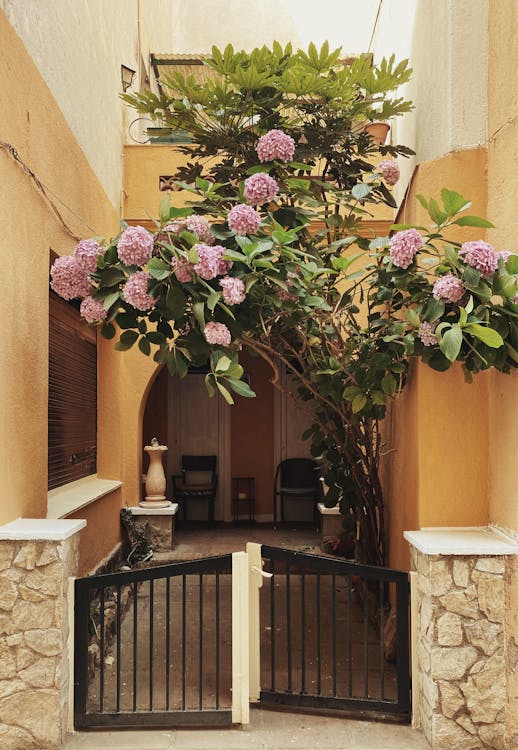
(63, 501)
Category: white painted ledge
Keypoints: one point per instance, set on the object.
(474, 540)
(71, 497)
(334, 511)
(137, 510)
(40, 529)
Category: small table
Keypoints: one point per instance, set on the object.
(243, 493)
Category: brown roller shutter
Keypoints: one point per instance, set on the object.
(72, 395)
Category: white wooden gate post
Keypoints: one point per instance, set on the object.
(240, 639)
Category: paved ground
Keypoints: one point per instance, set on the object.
(268, 730)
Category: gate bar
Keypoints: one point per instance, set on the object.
(240, 639)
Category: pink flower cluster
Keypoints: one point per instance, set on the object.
(217, 333)
(260, 188)
(135, 246)
(505, 255)
(69, 278)
(389, 171)
(403, 247)
(243, 219)
(183, 270)
(92, 310)
(211, 263)
(480, 255)
(87, 252)
(233, 290)
(426, 333)
(135, 291)
(193, 223)
(449, 288)
(275, 145)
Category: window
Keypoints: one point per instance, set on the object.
(72, 394)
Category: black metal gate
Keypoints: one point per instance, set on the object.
(153, 647)
(322, 634)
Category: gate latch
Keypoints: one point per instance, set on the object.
(262, 573)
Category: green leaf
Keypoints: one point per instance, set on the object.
(192, 255)
(112, 276)
(198, 310)
(111, 299)
(422, 200)
(351, 391)
(379, 398)
(512, 264)
(159, 269)
(223, 364)
(413, 318)
(471, 277)
(453, 202)
(433, 310)
(389, 384)
(126, 341)
(488, 336)
(473, 221)
(163, 210)
(358, 403)
(240, 387)
(144, 346)
(209, 378)
(126, 320)
(176, 302)
(213, 299)
(225, 393)
(360, 191)
(155, 337)
(435, 212)
(108, 331)
(450, 344)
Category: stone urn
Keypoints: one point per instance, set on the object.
(155, 478)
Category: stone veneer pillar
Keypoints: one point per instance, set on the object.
(37, 557)
(464, 637)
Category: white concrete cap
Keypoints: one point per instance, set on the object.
(137, 510)
(334, 511)
(468, 540)
(48, 529)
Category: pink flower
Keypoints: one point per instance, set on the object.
(201, 226)
(135, 291)
(260, 188)
(403, 247)
(183, 270)
(211, 263)
(426, 333)
(480, 255)
(449, 288)
(217, 333)
(389, 171)
(135, 246)
(87, 252)
(275, 145)
(92, 310)
(243, 219)
(69, 279)
(233, 290)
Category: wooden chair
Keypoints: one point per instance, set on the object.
(197, 482)
(297, 479)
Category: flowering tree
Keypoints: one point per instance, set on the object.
(266, 256)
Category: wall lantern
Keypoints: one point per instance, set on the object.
(127, 75)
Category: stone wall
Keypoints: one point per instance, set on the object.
(34, 672)
(460, 651)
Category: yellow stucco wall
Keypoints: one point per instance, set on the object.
(437, 474)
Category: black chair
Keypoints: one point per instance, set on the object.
(197, 482)
(297, 479)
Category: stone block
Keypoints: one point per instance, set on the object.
(465, 722)
(6, 555)
(461, 571)
(46, 642)
(440, 577)
(7, 662)
(461, 603)
(47, 580)
(448, 735)
(29, 595)
(485, 692)
(6, 625)
(24, 658)
(8, 687)
(449, 630)
(26, 557)
(452, 663)
(38, 712)
(14, 738)
(451, 699)
(485, 635)
(8, 594)
(46, 554)
(493, 736)
(41, 674)
(495, 565)
(30, 615)
(490, 595)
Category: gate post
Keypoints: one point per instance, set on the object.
(465, 632)
(240, 639)
(37, 557)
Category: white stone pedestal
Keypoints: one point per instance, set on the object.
(463, 625)
(161, 523)
(37, 557)
(330, 521)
